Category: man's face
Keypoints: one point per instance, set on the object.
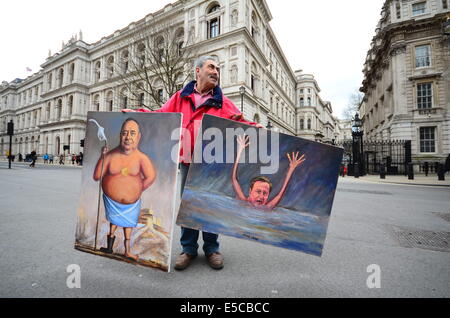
(208, 74)
(259, 194)
(130, 136)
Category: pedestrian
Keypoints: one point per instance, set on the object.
(20, 157)
(426, 168)
(45, 157)
(199, 97)
(74, 158)
(50, 159)
(81, 159)
(61, 159)
(33, 158)
(447, 164)
(345, 170)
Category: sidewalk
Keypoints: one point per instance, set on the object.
(431, 180)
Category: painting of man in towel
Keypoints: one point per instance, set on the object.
(125, 173)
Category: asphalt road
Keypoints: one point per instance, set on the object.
(369, 225)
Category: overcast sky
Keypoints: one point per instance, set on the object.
(326, 38)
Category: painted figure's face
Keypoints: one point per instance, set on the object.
(208, 74)
(259, 194)
(130, 136)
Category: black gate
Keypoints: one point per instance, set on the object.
(394, 154)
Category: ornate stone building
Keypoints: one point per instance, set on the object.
(407, 78)
(49, 108)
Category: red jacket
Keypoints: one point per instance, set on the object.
(183, 102)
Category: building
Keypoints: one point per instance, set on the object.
(407, 79)
(49, 108)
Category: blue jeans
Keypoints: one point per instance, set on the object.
(189, 237)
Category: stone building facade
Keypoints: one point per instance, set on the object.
(49, 108)
(407, 79)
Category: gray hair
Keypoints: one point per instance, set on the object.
(202, 59)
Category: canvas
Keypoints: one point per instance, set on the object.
(280, 191)
(127, 202)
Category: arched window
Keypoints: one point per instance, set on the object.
(47, 111)
(213, 24)
(159, 45)
(124, 61)
(309, 101)
(254, 26)
(110, 67)
(70, 105)
(179, 41)
(141, 55)
(97, 103)
(58, 109)
(49, 83)
(71, 72)
(57, 146)
(302, 124)
(124, 98)
(109, 100)
(60, 77)
(97, 70)
(302, 101)
(309, 124)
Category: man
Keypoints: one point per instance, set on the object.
(33, 158)
(125, 172)
(260, 187)
(199, 97)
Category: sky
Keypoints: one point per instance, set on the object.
(326, 38)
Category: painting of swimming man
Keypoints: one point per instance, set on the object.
(128, 167)
(260, 185)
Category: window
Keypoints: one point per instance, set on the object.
(213, 28)
(418, 8)
(424, 95)
(302, 101)
(397, 9)
(71, 72)
(60, 77)
(110, 67)
(141, 55)
(214, 9)
(109, 101)
(58, 109)
(309, 123)
(423, 55)
(309, 101)
(427, 139)
(70, 105)
(49, 82)
(97, 71)
(125, 61)
(444, 4)
(160, 96)
(302, 124)
(141, 99)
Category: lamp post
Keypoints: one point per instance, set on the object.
(10, 131)
(242, 92)
(357, 146)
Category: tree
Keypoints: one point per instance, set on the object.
(157, 60)
(354, 101)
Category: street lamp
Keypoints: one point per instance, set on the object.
(10, 130)
(269, 125)
(242, 91)
(357, 145)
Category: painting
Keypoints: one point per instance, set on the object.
(260, 185)
(126, 209)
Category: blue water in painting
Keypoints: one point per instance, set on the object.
(216, 213)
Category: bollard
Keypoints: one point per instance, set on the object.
(382, 171)
(441, 173)
(410, 171)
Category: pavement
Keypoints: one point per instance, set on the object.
(420, 180)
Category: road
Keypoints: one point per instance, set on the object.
(388, 225)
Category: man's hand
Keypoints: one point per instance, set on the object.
(295, 160)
